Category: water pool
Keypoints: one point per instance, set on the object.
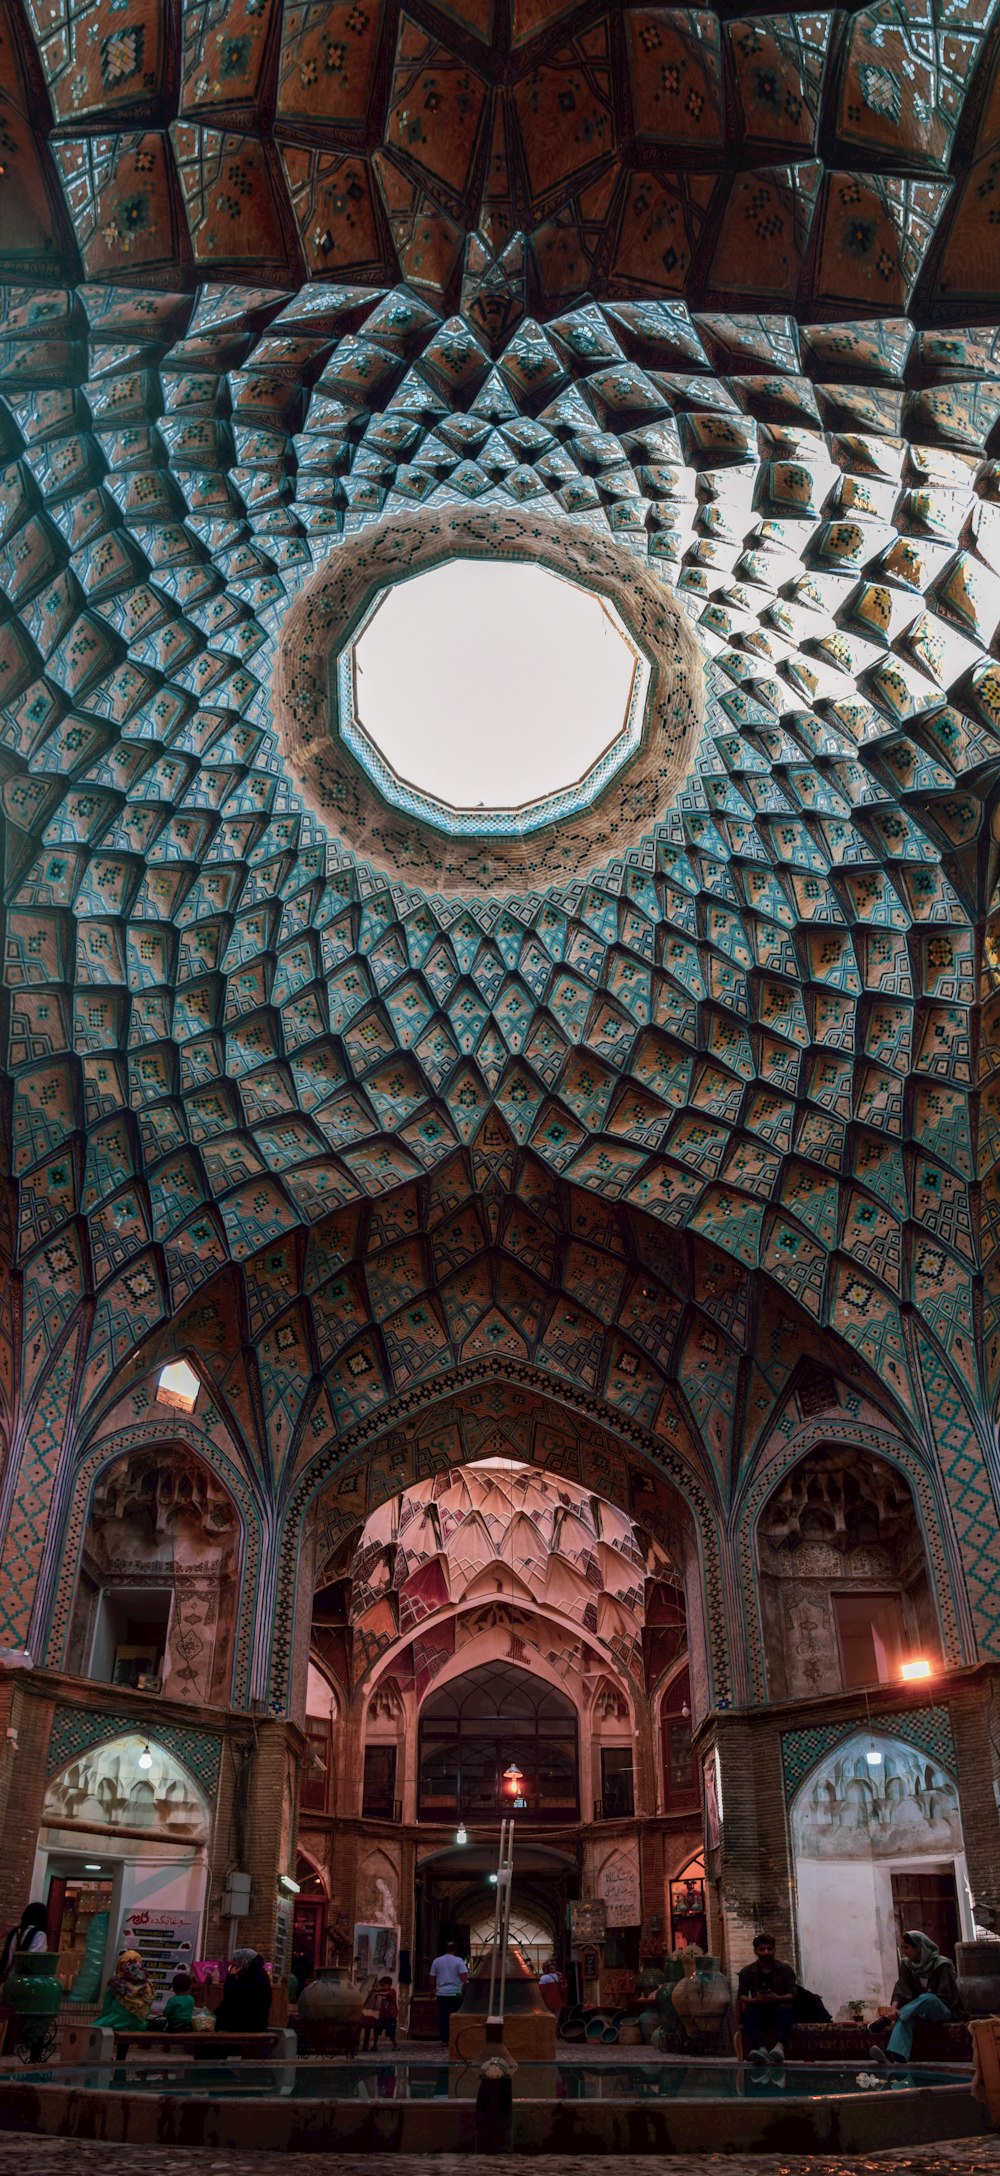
(423, 2079)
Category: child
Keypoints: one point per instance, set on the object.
(178, 2013)
(388, 2011)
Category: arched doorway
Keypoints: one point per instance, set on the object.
(455, 1898)
(310, 1920)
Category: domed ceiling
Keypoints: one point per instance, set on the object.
(278, 272)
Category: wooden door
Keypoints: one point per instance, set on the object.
(928, 1903)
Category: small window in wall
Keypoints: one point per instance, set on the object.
(178, 1385)
(314, 1781)
(688, 1915)
(617, 1793)
(680, 1780)
(130, 1637)
(379, 1793)
(872, 1636)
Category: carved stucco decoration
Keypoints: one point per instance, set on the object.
(324, 617)
(851, 1808)
(105, 1787)
(162, 1490)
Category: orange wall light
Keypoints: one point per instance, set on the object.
(918, 1667)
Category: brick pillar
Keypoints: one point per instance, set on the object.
(23, 1768)
(751, 1867)
(974, 1708)
(653, 1883)
(257, 1828)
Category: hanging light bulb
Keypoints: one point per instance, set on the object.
(873, 1756)
(461, 1836)
(145, 1758)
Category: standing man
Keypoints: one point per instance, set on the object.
(765, 2003)
(449, 1975)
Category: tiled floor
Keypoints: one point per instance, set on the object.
(21, 2156)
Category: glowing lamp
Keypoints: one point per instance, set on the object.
(288, 1884)
(873, 1757)
(145, 1758)
(513, 1778)
(917, 1667)
(462, 1834)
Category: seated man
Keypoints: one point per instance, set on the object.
(926, 1988)
(764, 2001)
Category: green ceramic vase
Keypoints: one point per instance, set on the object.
(34, 1994)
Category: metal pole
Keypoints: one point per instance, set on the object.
(497, 1912)
(507, 1874)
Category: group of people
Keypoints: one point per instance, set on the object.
(245, 2005)
(769, 1998)
(770, 2001)
(128, 1997)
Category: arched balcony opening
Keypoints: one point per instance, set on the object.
(496, 1742)
(157, 1592)
(846, 1598)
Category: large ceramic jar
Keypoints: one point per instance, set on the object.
(33, 1993)
(701, 1998)
(978, 1968)
(329, 2013)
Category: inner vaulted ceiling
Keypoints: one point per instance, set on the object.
(720, 289)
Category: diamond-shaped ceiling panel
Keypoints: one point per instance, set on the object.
(707, 289)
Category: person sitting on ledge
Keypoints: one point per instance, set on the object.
(926, 1988)
(246, 1997)
(127, 1996)
(764, 2002)
(178, 2011)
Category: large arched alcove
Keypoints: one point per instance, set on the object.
(157, 1592)
(495, 1411)
(877, 1847)
(846, 1594)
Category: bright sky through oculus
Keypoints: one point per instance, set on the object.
(489, 684)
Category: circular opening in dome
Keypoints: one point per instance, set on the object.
(484, 690)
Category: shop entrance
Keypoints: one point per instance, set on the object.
(80, 1905)
(309, 1925)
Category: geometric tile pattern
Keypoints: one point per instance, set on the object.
(927, 1728)
(74, 1729)
(836, 158)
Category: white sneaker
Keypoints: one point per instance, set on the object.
(758, 2055)
(777, 2053)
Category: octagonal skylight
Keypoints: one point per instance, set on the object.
(488, 695)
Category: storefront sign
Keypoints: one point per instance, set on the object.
(282, 1939)
(376, 1954)
(620, 1883)
(588, 1920)
(167, 1942)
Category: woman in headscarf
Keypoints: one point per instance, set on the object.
(29, 1935)
(246, 1997)
(926, 1988)
(127, 1995)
